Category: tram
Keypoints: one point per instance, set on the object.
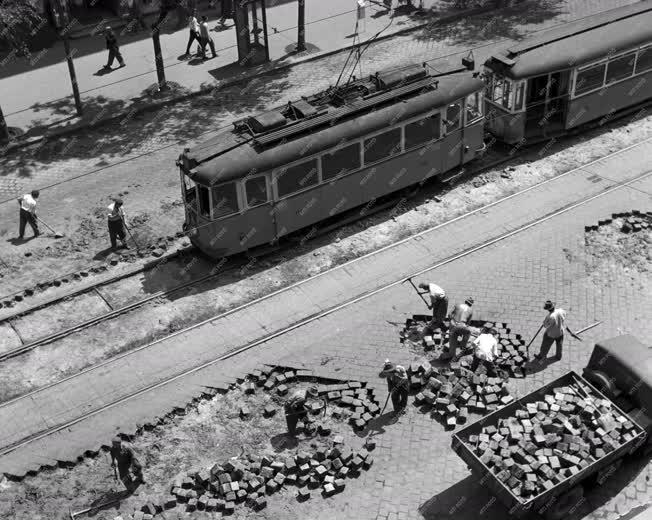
(566, 77)
(287, 169)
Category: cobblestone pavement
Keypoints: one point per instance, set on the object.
(118, 155)
(416, 474)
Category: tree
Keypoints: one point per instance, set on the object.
(19, 21)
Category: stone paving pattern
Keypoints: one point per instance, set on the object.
(416, 473)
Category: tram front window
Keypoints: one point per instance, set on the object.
(500, 90)
(225, 199)
(189, 192)
(204, 201)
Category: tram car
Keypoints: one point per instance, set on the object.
(287, 169)
(581, 72)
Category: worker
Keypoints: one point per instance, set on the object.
(295, 410)
(438, 303)
(459, 332)
(123, 457)
(27, 215)
(117, 223)
(554, 324)
(398, 385)
(486, 350)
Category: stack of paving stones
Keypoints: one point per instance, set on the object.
(550, 440)
(512, 354)
(451, 393)
(632, 221)
(250, 480)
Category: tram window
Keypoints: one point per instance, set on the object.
(520, 90)
(453, 116)
(621, 67)
(256, 190)
(644, 60)
(423, 131)
(473, 107)
(589, 78)
(204, 201)
(189, 192)
(382, 146)
(296, 178)
(225, 199)
(340, 162)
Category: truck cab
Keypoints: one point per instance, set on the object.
(621, 368)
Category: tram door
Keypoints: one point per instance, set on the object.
(453, 143)
(547, 103)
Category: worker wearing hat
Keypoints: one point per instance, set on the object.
(123, 457)
(116, 220)
(296, 408)
(459, 332)
(438, 303)
(554, 324)
(398, 385)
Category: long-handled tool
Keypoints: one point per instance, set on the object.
(130, 234)
(417, 290)
(527, 348)
(56, 235)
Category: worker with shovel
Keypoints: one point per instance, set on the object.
(438, 303)
(459, 332)
(117, 223)
(398, 385)
(123, 457)
(554, 324)
(28, 213)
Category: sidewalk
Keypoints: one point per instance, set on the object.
(32, 101)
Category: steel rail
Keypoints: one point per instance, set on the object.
(239, 350)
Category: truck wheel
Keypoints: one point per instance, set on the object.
(564, 504)
(600, 381)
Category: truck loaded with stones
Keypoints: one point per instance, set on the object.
(538, 453)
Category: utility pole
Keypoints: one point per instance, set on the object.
(301, 25)
(73, 76)
(4, 131)
(158, 58)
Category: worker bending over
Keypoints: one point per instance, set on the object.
(123, 457)
(398, 385)
(459, 332)
(486, 350)
(438, 303)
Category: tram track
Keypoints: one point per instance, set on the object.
(580, 201)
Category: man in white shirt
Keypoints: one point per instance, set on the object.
(116, 220)
(438, 303)
(193, 26)
(459, 332)
(554, 324)
(486, 350)
(27, 215)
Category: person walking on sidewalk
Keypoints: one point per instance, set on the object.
(193, 27)
(205, 38)
(398, 385)
(116, 220)
(438, 303)
(124, 459)
(554, 324)
(27, 215)
(113, 47)
(459, 332)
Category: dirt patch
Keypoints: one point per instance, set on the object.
(613, 254)
(211, 440)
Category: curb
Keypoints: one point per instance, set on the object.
(130, 112)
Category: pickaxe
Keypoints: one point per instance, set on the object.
(419, 293)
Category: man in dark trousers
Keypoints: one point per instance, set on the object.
(114, 48)
(295, 410)
(27, 215)
(123, 457)
(459, 332)
(116, 221)
(205, 38)
(438, 303)
(554, 325)
(398, 385)
(193, 27)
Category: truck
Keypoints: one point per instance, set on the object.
(538, 453)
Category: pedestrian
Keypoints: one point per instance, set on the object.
(123, 457)
(116, 220)
(295, 410)
(438, 303)
(459, 332)
(486, 350)
(554, 324)
(193, 27)
(398, 385)
(205, 38)
(27, 204)
(113, 47)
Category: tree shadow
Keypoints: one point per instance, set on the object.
(483, 27)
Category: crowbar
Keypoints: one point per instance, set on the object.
(417, 290)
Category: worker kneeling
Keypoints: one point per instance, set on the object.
(486, 350)
(296, 408)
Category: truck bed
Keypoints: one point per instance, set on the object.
(519, 505)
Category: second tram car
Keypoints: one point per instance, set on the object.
(289, 168)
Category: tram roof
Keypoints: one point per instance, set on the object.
(583, 41)
(238, 161)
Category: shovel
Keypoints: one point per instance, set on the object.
(56, 235)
